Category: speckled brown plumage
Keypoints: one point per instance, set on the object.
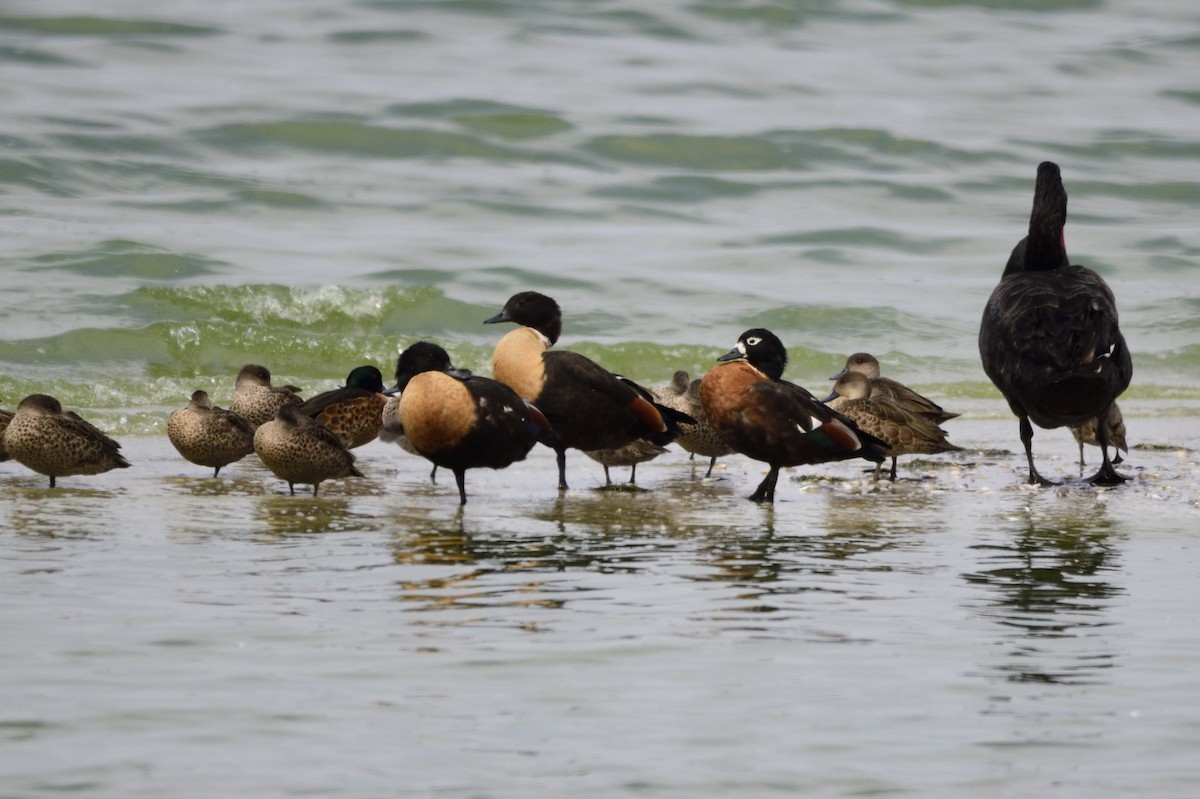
(1049, 337)
(907, 432)
(355, 411)
(300, 450)
(1086, 434)
(633, 453)
(5, 418)
(700, 439)
(255, 399)
(55, 443)
(208, 435)
(884, 387)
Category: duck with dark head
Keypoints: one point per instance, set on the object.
(764, 417)
(462, 421)
(355, 411)
(590, 407)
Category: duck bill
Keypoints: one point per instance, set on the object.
(733, 355)
(500, 317)
(459, 373)
(391, 392)
(832, 396)
(839, 376)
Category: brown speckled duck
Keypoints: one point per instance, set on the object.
(208, 435)
(255, 399)
(907, 432)
(5, 418)
(637, 451)
(1049, 338)
(700, 439)
(58, 443)
(1086, 434)
(355, 411)
(300, 450)
(884, 387)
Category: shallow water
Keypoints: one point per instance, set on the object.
(954, 632)
(312, 186)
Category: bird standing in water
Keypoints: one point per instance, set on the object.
(763, 416)
(1049, 338)
(867, 365)
(208, 435)
(255, 399)
(907, 432)
(461, 421)
(354, 411)
(683, 394)
(302, 450)
(57, 443)
(590, 407)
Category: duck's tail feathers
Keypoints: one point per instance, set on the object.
(540, 426)
(842, 436)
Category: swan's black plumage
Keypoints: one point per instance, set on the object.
(1049, 338)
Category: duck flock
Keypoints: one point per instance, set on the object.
(1049, 340)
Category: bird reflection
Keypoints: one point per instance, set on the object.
(550, 554)
(1049, 591)
(72, 515)
(281, 515)
(857, 526)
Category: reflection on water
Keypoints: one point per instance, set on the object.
(287, 515)
(34, 509)
(581, 546)
(858, 524)
(1050, 589)
(209, 486)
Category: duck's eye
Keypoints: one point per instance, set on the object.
(754, 341)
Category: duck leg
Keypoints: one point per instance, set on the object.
(1108, 475)
(460, 477)
(561, 457)
(1027, 439)
(766, 489)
